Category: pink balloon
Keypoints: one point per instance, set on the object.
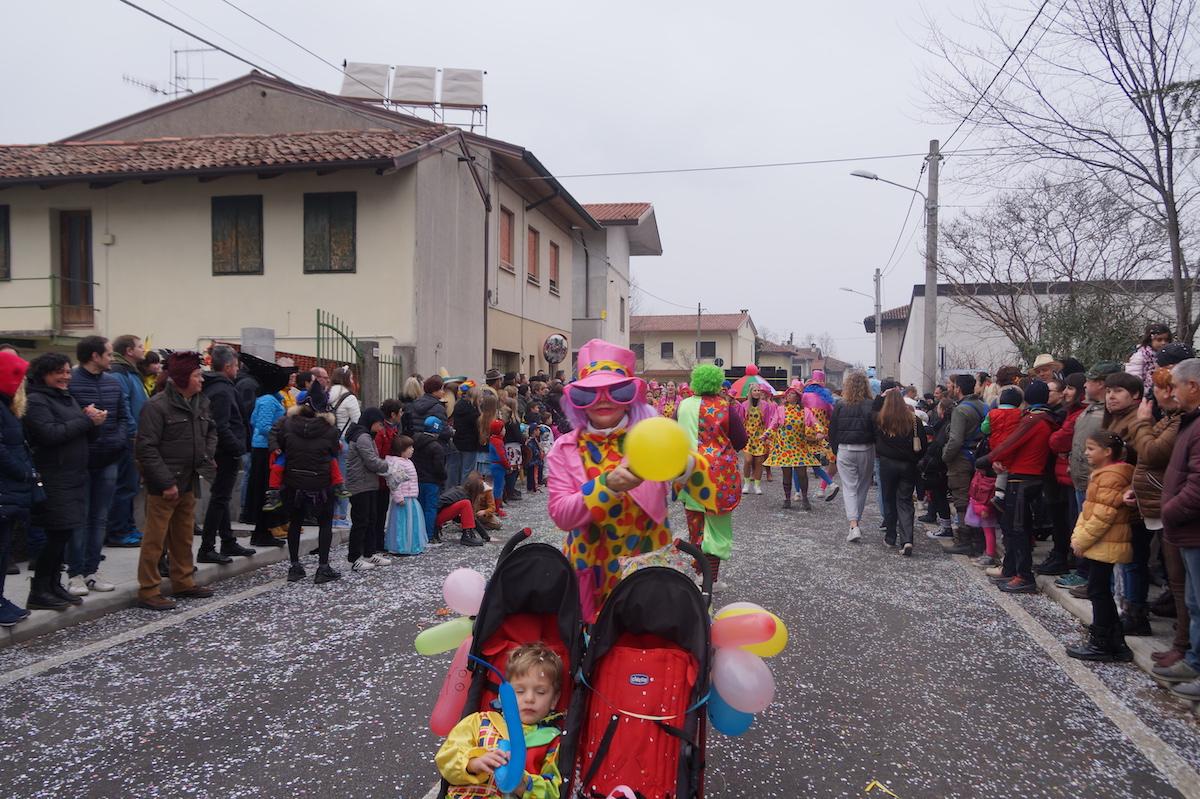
(463, 591)
(752, 628)
(743, 680)
(447, 710)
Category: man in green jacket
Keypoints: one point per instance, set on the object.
(176, 443)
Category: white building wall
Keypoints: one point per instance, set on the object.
(156, 278)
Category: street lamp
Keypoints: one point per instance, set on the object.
(929, 361)
(878, 323)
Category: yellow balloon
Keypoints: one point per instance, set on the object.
(657, 449)
(772, 646)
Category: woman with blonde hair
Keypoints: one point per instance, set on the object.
(489, 410)
(852, 438)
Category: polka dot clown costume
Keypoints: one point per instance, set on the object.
(717, 431)
(603, 524)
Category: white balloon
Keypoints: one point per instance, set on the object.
(743, 680)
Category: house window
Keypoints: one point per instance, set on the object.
(708, 349)
(533, 245)
(5, 246)
(329, 231)
(553, 268)
(237, 247)
(639, 351)
(507, 223)
(622, 314)
(666, 351)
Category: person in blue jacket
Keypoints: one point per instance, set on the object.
(128, 352)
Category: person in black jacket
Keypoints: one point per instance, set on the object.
(466, 434)
(91, 384)
(899, 445)
(226, 409)
(58, 431)
(852, 438)
(933, 472)
(429, 459)
(17, 476)
(310, 442)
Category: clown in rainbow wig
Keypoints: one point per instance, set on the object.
(607, 511)
(715, 424)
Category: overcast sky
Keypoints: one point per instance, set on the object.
(597, 87)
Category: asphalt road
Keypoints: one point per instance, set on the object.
(908, 675)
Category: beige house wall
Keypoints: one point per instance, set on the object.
(734, 348)
(156, 278)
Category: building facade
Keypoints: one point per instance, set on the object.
(666, 346)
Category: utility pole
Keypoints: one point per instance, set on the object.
(929, 366)
(878, 329)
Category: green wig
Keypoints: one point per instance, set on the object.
(707, 379)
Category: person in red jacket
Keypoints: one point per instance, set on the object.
(498, 461)
(1023, 455)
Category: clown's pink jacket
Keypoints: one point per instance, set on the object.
(566, 476)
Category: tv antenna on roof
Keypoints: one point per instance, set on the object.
(182, 79)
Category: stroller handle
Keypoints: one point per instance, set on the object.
(706, 573)
(511, 544)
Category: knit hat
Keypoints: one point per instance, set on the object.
(1175, 352)
(1103, 370)
(12, 372)
(180, 365)
(1012, 396)
(496, 427)
(1037, 393)
(433, 424)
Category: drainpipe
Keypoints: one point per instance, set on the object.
(587, 277)
(487, 293)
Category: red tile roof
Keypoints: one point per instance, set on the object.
(670, 323)
(170, 156)
(617, 213)
(891, 315)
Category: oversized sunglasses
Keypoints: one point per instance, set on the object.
(619, 393)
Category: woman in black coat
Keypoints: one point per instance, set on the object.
(899, 445)
(58, 431)
(16, 475)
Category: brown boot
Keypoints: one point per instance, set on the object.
(156, 602)
(195, 592)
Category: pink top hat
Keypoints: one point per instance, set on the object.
(818, 376)
(603, 364)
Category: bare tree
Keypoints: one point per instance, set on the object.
(636, 301)
(1045, 263)
(1102, 86)
(827, 343)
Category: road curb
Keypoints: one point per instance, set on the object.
(96, 605)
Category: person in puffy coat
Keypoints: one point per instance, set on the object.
(363, 470)
(1104, 536)
(17, 476)
(59, 432)
(310, 444)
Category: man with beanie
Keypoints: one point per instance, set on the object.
(176, 444)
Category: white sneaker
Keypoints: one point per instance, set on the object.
(821, 492)
(380, 560)
(853, 535)
(95, 583)
(77, 586)
(362, 565)
(757, 487)
(746, 487)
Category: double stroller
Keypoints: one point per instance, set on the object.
(635, 686)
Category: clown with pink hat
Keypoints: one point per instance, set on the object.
(798, 438)
(607, 511)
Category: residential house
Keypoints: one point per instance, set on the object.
(895, 320)
(666, 345)
(800, 362)
(601, 269)
(257, 202)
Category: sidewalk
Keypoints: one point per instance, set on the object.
(1142, 645)
(120, 568)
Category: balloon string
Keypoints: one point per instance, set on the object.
(641, 716)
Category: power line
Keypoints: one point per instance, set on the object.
(660, 299)
(888, 265)
(206, 26)
(200, 38)
(1011, 52)
(317, 56)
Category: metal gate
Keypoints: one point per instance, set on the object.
(380, 376)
